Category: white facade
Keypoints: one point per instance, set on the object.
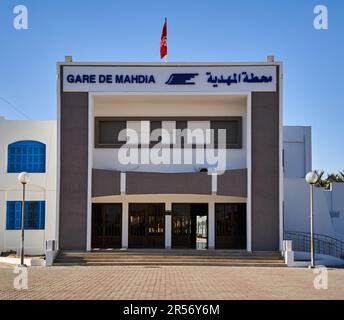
(42, 186)
(328, 204)
(297, 146)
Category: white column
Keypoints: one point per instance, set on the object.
(211, 225)
(281, 184)
(168, 231)
(249, 176)
(125, 224)
(123, 182)
(90, 166)
(214, 183)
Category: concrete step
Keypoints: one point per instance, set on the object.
(169, 258)
(136, 257)
(207, 253)
(166, 258)
(159, 264)
(175, 262)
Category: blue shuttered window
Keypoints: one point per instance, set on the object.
(34, 215)
(29, 156)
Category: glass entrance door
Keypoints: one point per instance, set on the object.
(146, 225)
(106, 226)
(201, 232)
(190, 225)
(230, 226)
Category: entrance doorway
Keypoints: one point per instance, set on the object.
(146, 225)
(201, 232)
(190, 226)
(106, 226)
(230, 226)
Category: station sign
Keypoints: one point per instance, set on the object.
(169, 78)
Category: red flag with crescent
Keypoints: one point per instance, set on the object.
(163, 41)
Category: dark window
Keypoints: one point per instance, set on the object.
(154, 125)
(34, 215)
(233, 132)
(26, 156)
(107, 132)
(180, 127)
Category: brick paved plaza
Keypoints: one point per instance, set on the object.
(170, 283)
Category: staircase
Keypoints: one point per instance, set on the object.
(156, 257)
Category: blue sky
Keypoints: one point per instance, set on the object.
(208, 30)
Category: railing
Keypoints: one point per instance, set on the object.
(322, 244)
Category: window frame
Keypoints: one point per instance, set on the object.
(12, 165)
(186, 119)
(97, 121)
(13, 218)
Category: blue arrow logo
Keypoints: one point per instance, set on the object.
(181, 79)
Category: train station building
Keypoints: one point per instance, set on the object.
(173, 155)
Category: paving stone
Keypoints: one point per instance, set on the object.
(167, 283)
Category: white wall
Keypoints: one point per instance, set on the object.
(297, 147)
(297, 208)
(297, 162)
(336, 204)
(42, 186)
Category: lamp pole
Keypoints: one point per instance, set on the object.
(24, 180)
(311, 186)
(312, 178)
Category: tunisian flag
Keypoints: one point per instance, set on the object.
(163, 41)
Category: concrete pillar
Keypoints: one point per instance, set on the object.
(125, 225)
(168, 231)
(211, 226)
(214, 183)
(123, 182)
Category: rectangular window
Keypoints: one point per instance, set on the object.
(199, 134)
(107, 132)
(142, 129)
(155, 125)
(168, 133)
(180, 127)
(233, 132)
(34, 215)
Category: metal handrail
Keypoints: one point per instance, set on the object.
(322, 244)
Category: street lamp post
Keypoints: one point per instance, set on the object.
(24, 179)
(312, 179)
